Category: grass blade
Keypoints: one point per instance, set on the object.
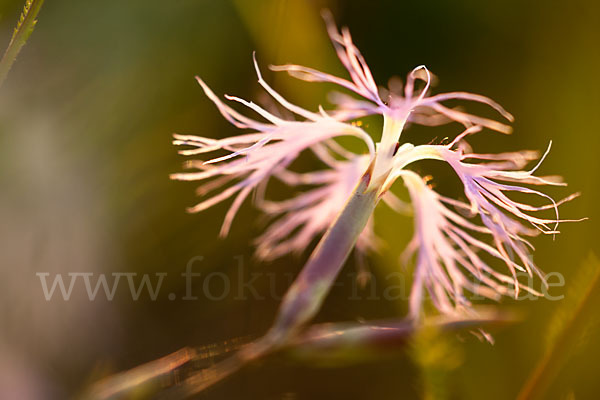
(22, 32)
(567, 326)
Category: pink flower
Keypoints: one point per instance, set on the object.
(453, 250)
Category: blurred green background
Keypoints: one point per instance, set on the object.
(86, 117)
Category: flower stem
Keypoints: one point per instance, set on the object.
(306, 295)
(304, 298)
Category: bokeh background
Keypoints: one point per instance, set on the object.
(86, 118)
